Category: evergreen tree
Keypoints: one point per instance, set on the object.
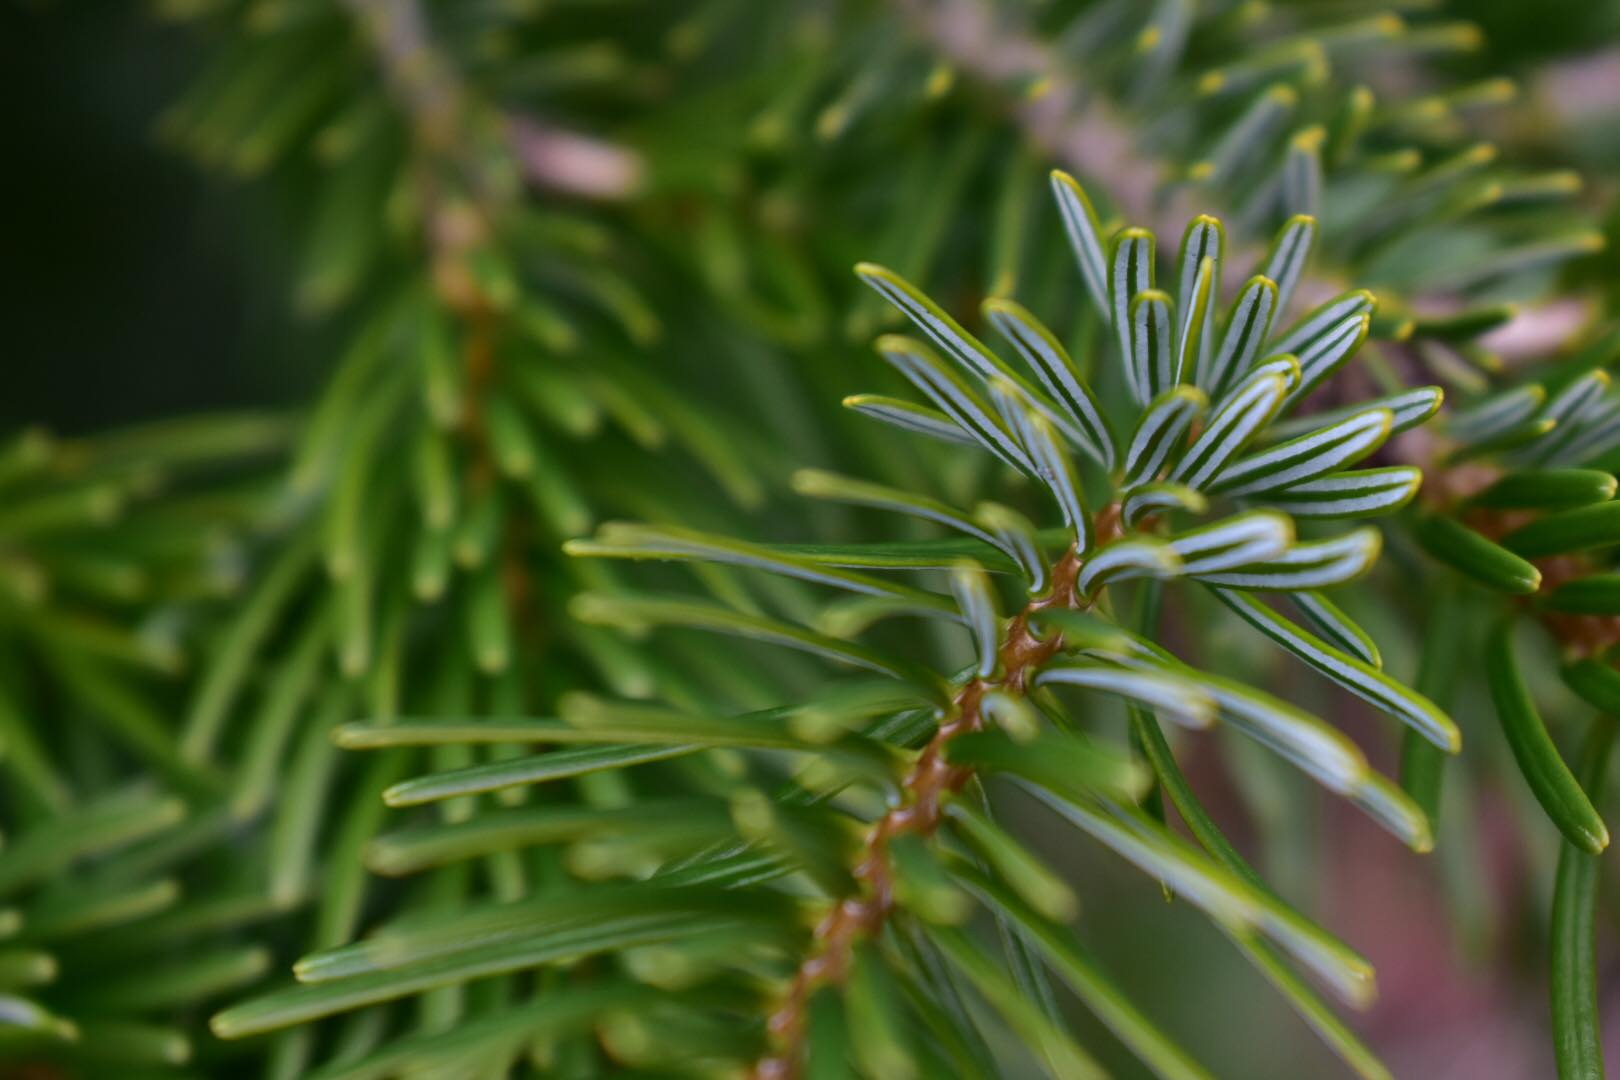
(547, 697)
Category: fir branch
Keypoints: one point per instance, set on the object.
(1238, 556)
(927, 787)
(424, 475)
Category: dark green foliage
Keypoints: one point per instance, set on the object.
(1576, 1028)
(511, 785)
(1554, 785)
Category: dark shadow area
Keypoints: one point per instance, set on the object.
(132, 286)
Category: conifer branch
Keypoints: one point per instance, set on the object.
(432, 96)
(927, 786)
(623, 843)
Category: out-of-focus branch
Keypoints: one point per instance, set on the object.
(571, 162)
(1076, 128)
(1580, 90)
(433, 96)
(1081, 131)
(1537, 331)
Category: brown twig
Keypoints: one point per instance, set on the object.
(931, 781)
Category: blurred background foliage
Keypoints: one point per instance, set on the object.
(189, 275)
